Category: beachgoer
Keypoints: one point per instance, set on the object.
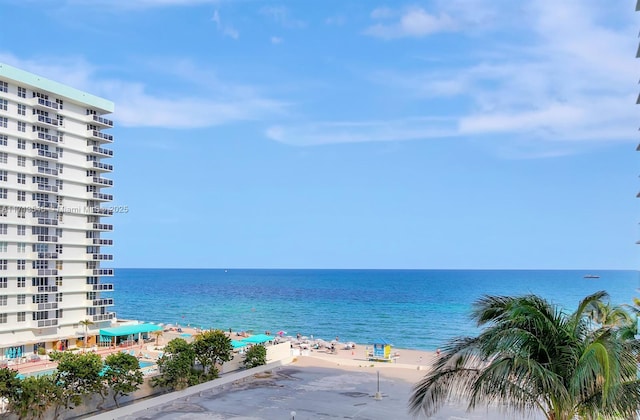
(438, 352)
(337, 339)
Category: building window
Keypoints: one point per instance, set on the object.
(22, 92)
(22, 248)
(3, 175)
(60, 216)
(3, 104)
(59, 183)
(22, 213)
(3, 283)
(22, 179)
(58, 265)
(22, 281)
(60, 103)
(3, 300)
(58, 297)
(3, 122)
(3, 140)
(22, 144)
(3, 193)
(22, 196)
(59, 248)
(59, 281)
(4, 211)
(22, 316)
(3, 318)
(22, 109)
(4, 87)
(22, 161)
(22, 230)
(21, 264)
(22, 299)
(4, 156)
(3, 229)
(3, 248)
(22, 126)
(59, 167)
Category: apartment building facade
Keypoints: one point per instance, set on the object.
(54, 209)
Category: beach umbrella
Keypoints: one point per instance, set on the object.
(281, 333)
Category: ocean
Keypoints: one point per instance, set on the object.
(418, 309)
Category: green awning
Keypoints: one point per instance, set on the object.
(129, 330)
(238, 344)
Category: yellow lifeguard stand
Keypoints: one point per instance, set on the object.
(381, 351)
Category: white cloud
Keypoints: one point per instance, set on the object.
(219, 102)
(415, 22)
(337, 20)
(276, 40)
(318, 133)
(225, 29)
(282, 16)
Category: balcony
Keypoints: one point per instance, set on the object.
(102, 151)
(103, 257)
(47, 171)
(47, 187)
(47, 272)
(102, 136)
(101, 196)
(102, 166)
(47, 323)
(102, 302)
(99, 241)
(104, 287)
(103, 272)
(100, 210)
(47, 289)
(102, 181)
(47, 306)
(47, 222)
(47, 204)
(48, 120)
(47, 154)
(47, 137)
(45, 103)
(47, 238)
(47, 255)
(102, 226)
(103, 317)
(101, 121)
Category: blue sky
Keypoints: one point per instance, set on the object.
(357, 134)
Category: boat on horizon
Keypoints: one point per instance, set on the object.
(591, 276)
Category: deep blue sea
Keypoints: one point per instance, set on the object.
(418, 309)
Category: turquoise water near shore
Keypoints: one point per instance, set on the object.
(418, 309)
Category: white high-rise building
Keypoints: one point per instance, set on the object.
(52, 205)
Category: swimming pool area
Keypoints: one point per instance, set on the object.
(146, 366)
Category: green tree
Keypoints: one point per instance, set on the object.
(255, 356)
(122, 374)
(176, 366)
(85, 323)
(34, 396)
(532, 356)
(79, 375)
(212, 348)
(9, 385)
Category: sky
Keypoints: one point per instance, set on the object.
(438, 134)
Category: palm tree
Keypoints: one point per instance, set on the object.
(85, 323)
(531, 356)
(158, 334)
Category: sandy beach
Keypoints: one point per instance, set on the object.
(317, 383)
